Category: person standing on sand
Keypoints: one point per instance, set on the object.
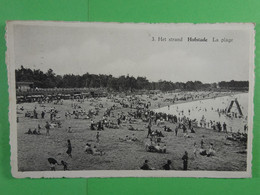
(149, 131)
(184, 128)
(97, 137)
(176, 130)
(92, 125)
(202, 143)
(65, 165)
(195, 150)
(43, 114)
(69, 130)
(69, 150)
(51, 116)
(225, 127)
(185, 161)
(39, 129)
(245, 128)
(190, 124)
(118, 122)
(47, 127)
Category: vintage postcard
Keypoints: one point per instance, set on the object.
(130, 100)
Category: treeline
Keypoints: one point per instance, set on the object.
(234, 84)
(50, 80)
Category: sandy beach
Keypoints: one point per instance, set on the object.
(34, 150)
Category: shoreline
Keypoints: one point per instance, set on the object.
(183, 102)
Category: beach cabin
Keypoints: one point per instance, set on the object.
(24, 86)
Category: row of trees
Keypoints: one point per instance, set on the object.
(234, 84)
(51, 80)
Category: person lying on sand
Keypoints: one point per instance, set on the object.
(186, 135)
(131, 128)
(88, 149)
(127, 139)
(97, 152)
(111, 125)
(160, 149)
(35, 132)
(237, 136)
(155, 148)
(124, 139)
(53, 125)
(167, 129)
(160, 122)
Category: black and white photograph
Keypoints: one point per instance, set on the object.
(130, 100)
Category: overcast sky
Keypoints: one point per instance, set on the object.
(120, 50)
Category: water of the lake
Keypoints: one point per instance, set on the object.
(208, 109)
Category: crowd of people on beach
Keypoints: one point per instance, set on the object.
(158, 125)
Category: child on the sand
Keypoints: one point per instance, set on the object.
(69, 130)
(65, 165)
(53, 163)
